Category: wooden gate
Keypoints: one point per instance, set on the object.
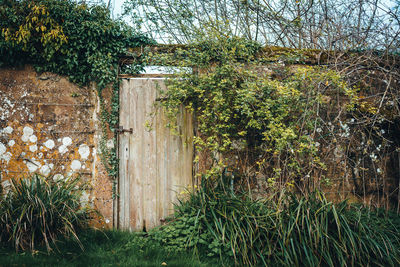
(155, 165)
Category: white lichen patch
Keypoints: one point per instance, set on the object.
(40, 155)
(6, 157)
(3, 149)
(58, 177)
(33, 138)
(32, 165)
(8, 130)
(76, 165)
(6, 108)
(27, 133)
(49, 144)
(62, 149)
(33, 148)
(11, 143)
(67, 141)
(45, 170)
(84, 151)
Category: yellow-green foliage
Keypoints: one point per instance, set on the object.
(244, 113)
(38, 24)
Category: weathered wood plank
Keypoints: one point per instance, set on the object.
(157, 165)
(124, 156)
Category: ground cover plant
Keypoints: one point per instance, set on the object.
(37, 211)
(279, 125)
(282, 230)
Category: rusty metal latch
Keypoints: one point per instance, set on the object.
(121, 129)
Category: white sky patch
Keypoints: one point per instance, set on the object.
(164, 70)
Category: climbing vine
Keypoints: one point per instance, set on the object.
(279, 124)
(76, 40)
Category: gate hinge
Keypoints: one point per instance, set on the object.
(121, 129)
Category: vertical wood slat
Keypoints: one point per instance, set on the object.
(157, 165)
(123, 156)
(137, 157)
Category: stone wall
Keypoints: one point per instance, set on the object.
(49, 126)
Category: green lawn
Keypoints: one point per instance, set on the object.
(109, 248)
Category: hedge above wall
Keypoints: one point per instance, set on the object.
(79, 41)
(76, 40)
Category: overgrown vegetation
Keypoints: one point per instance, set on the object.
(76, 40)
(276, 126)
(277, 130)
(38, 211)
(249, 122)
(327, 25)
(270, 127)
(281, 230)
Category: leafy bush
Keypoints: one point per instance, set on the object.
(66, 38)
(247, 120)
(37, 211)
(283, 230)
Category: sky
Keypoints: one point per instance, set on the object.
(117, 7)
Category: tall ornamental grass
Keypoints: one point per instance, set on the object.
(282, 230)
(37, 211)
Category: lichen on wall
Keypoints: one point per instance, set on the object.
(49, 126)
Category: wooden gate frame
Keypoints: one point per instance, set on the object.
(172, 183)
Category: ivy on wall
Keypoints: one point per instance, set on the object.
(76, 40)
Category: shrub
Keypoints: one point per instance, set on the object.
(283, 230)
(37, 210)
